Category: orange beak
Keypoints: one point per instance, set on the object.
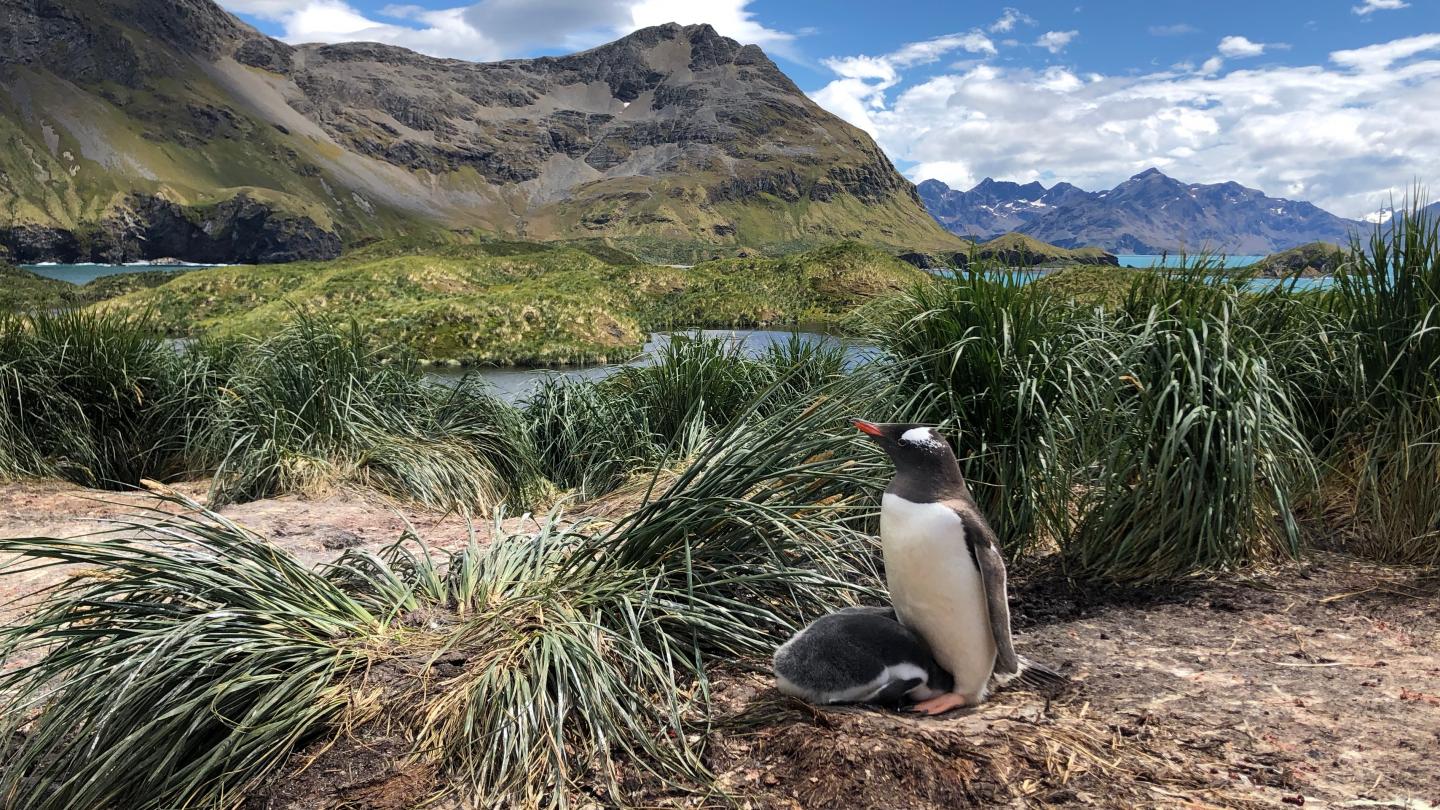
(866, 427)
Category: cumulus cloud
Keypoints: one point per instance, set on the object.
(1008, 19)
(1056, 41)
(1344, 134)
(1370, 6)
(497, 29)
(860, 90)
(1237, 47)
(1383, 55)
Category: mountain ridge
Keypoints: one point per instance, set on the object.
(1148, 213)
(132, 124)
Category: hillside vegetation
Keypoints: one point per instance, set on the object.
(521, 303)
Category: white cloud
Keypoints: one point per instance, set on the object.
(1379, 5)
(1008, 20)
(1056, 41)
(930, 50)
(1239, 47)
(1212, 65)
(497, 29)
(1344, 135)
(860, 90)
(1381, 56)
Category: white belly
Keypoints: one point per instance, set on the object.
(937, 590)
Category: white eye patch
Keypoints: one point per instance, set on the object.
(921, 436)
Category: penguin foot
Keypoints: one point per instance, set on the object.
(939, 704)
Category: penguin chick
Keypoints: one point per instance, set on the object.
(859, 655)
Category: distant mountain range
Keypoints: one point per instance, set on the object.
(138, 129)
(1149, 213)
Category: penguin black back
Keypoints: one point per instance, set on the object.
(858, 655)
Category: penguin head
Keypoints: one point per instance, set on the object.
(907, 444)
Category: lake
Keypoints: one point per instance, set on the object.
(86, 273)
(512, 384)
(1177, 260)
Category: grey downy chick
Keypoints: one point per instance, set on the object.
(859, 655)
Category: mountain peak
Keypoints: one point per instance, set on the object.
(671, 134)
(1148, 213)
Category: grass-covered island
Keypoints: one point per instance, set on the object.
(520, 303)
(1198, 488)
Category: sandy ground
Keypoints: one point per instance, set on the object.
(1314, 685)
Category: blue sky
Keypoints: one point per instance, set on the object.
(1336, 101)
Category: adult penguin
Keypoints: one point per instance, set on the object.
(943, 567)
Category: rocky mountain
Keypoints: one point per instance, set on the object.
(1149, 213)
(144, 128)
(994, 207)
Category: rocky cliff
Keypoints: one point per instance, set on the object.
(140, 128)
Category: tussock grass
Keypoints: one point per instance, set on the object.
(1197, 459)
(186, 661)
(98, 400)
(1004, 366)
(591, 435)
(1387, 446)
(313, 405)
(573, 638)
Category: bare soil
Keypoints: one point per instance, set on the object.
(1314, 685)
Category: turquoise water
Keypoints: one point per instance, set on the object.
(86, 273)
(512, 384)
(1176, 260)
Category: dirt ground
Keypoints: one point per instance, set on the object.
(1314, 685)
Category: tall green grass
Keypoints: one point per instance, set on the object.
(1198, 458)
(591, 435)
(314, 405)
(98, 400)
(105, 401)
(186, 661)
(1007, 370)
(1387, 447)
(579, 645)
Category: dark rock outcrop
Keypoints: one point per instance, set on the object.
(241, 230)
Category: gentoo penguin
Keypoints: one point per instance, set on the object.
(858, 655)
(943, 566)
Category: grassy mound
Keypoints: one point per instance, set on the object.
(520, 303)
(1089, 286)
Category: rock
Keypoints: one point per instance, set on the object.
(336, 539)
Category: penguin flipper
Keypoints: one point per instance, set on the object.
(894, 692)
(986, 550)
